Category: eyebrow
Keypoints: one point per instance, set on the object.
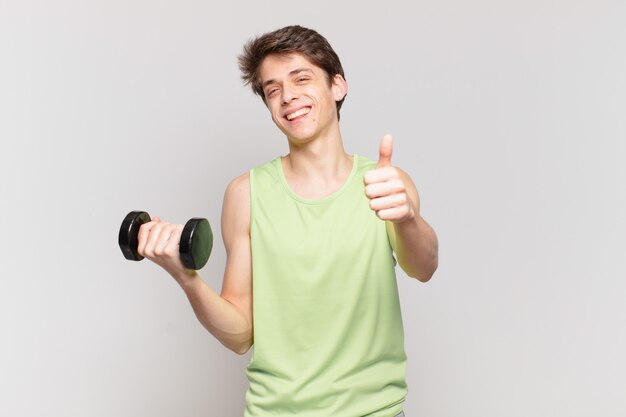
(291, 73)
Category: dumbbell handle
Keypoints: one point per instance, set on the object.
(195, 245)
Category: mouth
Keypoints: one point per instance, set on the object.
(298, 113)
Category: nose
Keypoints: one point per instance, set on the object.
(289, 94)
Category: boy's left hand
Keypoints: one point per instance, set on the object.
(386, 189)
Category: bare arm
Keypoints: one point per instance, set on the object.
(228, 316)
(394, 198)
(413, 240)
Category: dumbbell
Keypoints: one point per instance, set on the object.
(195, 246)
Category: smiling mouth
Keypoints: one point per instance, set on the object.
(298, 113)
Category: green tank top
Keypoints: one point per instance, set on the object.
(328, 334)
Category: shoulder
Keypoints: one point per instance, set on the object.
(268, 171)
(239, 185)
(236, 208)
(365, 162)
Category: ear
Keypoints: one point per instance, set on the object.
(339, 87)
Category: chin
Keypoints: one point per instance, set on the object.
(299, 137)
(299, 140)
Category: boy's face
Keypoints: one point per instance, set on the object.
(299, 97)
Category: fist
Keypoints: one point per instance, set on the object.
(386, 188)
(159, 242)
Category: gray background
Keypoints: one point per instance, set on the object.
(509, 116)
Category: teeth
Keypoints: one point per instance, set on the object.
(298, 113)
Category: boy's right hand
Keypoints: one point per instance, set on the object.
(159, 241)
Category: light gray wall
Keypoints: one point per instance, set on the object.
(510, 117)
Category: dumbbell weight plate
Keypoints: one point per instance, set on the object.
(129, 232)
(196, 243)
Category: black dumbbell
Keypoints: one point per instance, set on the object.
(195, 246)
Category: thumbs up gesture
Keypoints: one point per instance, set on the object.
(386, 188)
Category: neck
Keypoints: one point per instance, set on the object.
(321, 161)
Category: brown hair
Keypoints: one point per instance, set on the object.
(290, 39)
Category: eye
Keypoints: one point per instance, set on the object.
(302, 79)
(271, 92)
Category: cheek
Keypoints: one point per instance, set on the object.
(278, 120)
(275, 113)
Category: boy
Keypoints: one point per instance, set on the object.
(309, 278)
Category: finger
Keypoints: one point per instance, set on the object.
(164, 236)
(386, 188)
(142, 236)
(395, 213)
(384, 151)
(174, 242)
(380, 175)
(391, 201)
(153, 238)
